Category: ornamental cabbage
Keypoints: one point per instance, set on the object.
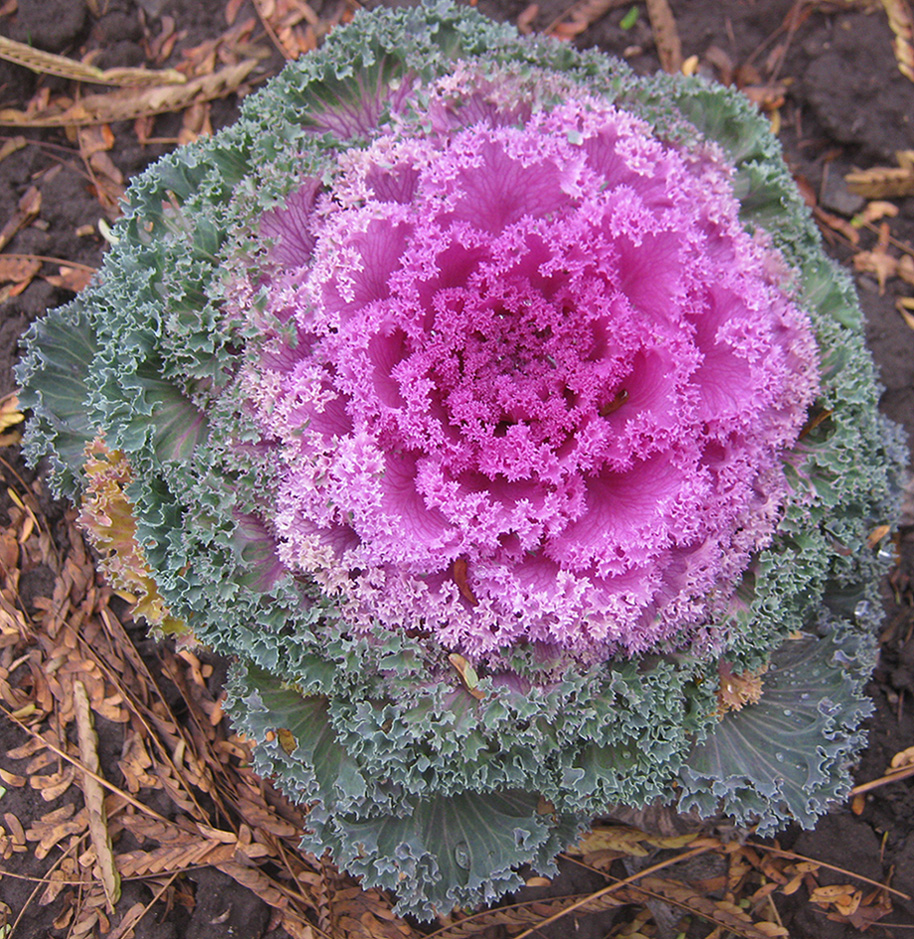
(499, 412)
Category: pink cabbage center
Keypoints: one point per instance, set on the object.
(543, 383)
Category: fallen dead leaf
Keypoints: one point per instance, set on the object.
(878, 261)
(873, 212)
(885, 182)
(737, 690)
(18, 269)
(526, 18)
(71, 278)
(11, 146)
(901, 21)
(29, 206)
(580, 17)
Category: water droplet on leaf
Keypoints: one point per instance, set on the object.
(462, 855)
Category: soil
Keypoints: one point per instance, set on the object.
(829, 73)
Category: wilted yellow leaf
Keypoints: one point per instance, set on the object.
(619, 838)
(831, 893)
(10, 415)
(287, 740)
(467, 674)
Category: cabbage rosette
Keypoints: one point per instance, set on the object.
(500, 413)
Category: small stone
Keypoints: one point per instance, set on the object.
(837, 198)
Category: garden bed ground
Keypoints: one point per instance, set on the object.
(205, 849)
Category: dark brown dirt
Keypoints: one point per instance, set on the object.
(846, 106)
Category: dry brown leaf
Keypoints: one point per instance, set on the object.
(580, 17)
(52, 828)
(54, 786)
(524, 914)
(296, 927)
(18, 269)
(12, 779)
(905, 269)
(127, 105)
(902, 759)
(281, 38)
(463, 668)
(766, 98)
(264, 819)
(666, 35)
(836, 223)
(901, 21)
(10, 416)
(49, 64)
(167, 859)
(15, 831)
(11, 145)
(874, 211)
(720, 912)
(364, 914)
(525, 19)
(255, 880)
(231, 11)
(124, 929)
(195, 123)
(58, 879)
(29, 206)
(877, 262)
(71, 278)
(134, 763)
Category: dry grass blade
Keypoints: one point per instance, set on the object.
(666, 35)
(890, 777)
(531, 913)
(28, 258)
(95, 797)
(49, 64)
(617, 886)
(128, 105)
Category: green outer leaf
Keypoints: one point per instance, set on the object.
(437, 852)
(468, 846)
(777, 758)
(62, 347)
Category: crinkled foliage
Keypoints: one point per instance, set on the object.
(466, 386)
